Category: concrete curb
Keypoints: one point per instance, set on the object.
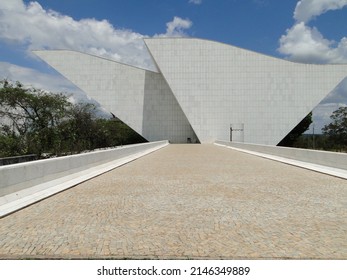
(340, 173)
(26, 197)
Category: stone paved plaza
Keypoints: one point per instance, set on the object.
(187, 201)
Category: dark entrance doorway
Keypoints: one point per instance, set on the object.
(237, 132)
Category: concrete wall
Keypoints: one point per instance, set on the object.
(140, 98)
(20, 176)
(330, 159)
(218, 85)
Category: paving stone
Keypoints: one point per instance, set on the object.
(187, 202)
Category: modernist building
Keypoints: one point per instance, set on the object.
(203, 90)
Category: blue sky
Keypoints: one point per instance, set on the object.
(310, 31)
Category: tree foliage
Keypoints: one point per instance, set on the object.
(296, 132)
(38, 122)
(336, 131)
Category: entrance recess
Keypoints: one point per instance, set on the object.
(237, 132)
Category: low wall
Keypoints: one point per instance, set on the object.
(330, 159)
(14, 178)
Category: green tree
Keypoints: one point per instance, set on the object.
(113, 132)
(79, 128)
(296, 132)
(336, 131)
(31, 115)
(11, 144)
(33, 121)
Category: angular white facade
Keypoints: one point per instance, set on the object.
(140, 98)
(202, 89)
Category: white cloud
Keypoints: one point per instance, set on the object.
(36, 28)
(305, 44)
(12, 5)
(47, 82)
(338, 95)
(33, 27)
(337, 98)
(34, 78)
(196, 2)
(321, 115)
(177, 26)
(308, 9)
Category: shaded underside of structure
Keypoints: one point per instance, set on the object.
(203, 90)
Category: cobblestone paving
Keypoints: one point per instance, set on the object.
(187, 201)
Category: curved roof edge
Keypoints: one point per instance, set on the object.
(100, 57)
(244, 49)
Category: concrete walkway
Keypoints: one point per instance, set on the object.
(188, 201)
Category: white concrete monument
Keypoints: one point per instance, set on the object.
(203, 90)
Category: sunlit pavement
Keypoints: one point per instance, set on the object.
(187, 201)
